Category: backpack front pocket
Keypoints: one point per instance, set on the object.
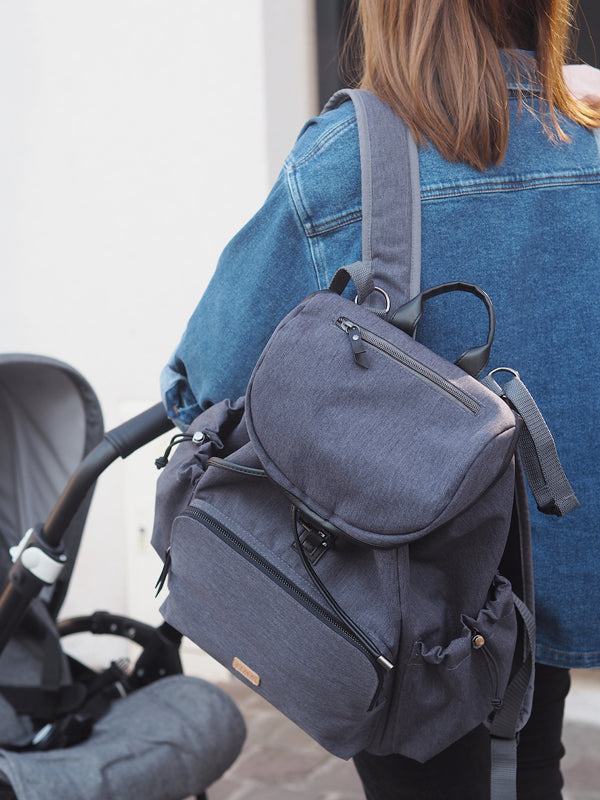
(252, 616)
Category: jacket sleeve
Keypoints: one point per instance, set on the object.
(262, 274)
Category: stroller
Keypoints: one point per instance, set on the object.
(67, 730)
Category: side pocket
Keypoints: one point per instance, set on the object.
(217, 431)
(458, 685)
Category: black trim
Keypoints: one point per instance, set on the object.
(587, 41)
(333, 18)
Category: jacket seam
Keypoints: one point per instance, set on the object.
(313, 243)
(322, 141)
(334, 223)
(506, 187)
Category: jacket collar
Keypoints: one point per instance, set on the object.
(520, 69)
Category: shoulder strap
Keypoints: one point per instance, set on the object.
(547, 480)
(391, 201)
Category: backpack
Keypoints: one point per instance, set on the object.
(351, 538)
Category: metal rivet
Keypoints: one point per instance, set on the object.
(477, 641)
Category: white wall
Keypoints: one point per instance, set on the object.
(137, 136)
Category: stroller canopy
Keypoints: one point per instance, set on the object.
(50, 418)
(164, 741)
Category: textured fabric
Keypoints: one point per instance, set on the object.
(33, 658)
(540, 744)
(169, 740)
(238, 588)
(462, 771)
(428, 448)
(391, 248)
(526, 231)
(50, 418)
(410, 455)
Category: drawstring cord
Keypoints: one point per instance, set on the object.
(198, 438)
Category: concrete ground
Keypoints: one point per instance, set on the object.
(280, 762)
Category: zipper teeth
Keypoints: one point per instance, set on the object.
(251, 555)
(415, 366)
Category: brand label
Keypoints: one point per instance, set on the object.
(244, 669)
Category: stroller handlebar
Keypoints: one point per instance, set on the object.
(118, 442)
(140, 430)
(23, 584)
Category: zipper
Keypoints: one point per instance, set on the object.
(362, 643)
(359, 335)
(478, 643)
(164, 572)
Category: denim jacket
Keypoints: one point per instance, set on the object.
(527, 231)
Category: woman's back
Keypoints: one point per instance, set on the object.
(510, 200)
(528, 232)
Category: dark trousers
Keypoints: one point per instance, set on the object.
(462, 772)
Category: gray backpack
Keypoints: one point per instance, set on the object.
(351, 538)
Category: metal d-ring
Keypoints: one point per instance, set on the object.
(505, 369)
(386, 296)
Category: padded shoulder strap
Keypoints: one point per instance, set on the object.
(391, 198)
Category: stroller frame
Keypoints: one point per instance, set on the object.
(41, 556)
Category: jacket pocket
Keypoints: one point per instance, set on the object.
(251, 615)
(459, 684)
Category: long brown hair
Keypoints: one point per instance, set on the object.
(438, 63)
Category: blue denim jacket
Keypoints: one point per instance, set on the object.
(527, 231)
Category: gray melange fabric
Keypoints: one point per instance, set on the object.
(167, 741)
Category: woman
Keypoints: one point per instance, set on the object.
(510, 193)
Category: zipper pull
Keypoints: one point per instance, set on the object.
(358, 346)
(163, 575)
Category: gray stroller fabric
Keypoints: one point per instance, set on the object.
(166, 741)
(34, 659)
(50, 418)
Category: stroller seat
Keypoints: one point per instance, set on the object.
(173, 735)
(166, 741)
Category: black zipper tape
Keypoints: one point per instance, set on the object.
(233, 541)
(421, 370)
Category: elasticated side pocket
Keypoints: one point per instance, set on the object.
(458, 683)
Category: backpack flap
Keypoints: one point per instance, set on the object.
(344, 408)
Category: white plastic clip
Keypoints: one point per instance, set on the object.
(17, 549)
(45, 567)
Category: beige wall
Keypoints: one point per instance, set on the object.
(137, 137)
